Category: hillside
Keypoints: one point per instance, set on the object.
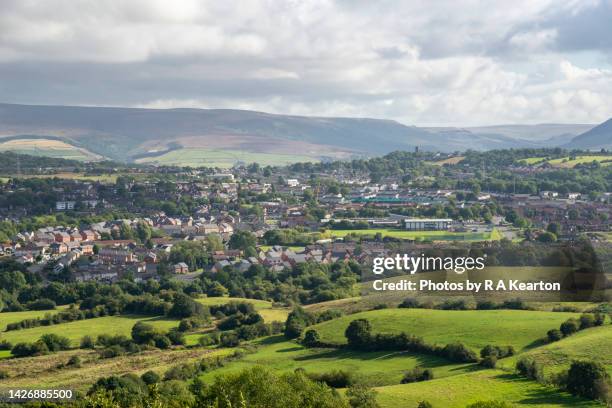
(224, 137)
(597, 138)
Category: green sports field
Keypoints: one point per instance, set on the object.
(475, 328)
(414, 235)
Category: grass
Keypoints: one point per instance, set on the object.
(475, 328)
(197, 157)
(377, 368)
(14, 317)
(263, 307)
(590, 344)
(93, 327)
(415, 235)
(484, 385)
(567, 163)
(48, 148)
(103, 178)
(450, 160)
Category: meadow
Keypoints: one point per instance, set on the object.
(263, 307)
(14, 317)
(565, 162)
(92, 327)
(475, 328)
(48, 148)
(484, 385)
(198, 157)
(379, 368)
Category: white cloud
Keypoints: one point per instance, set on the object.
(444, 62)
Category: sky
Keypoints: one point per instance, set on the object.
(424, 63)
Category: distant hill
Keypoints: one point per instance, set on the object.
(597, 138)
(225, 136)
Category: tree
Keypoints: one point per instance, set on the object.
(358, 333)
(587, 379)
(362, 396)
(569, 327)
(143, 231)
(184, 306)
(242, 240)
(311, 338)
(143, 332)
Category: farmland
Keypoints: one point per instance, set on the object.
(568, 162)
(48, 148)
(13, 317)
(198, 157)
(263, 307)
(475, 328)
(93, 327)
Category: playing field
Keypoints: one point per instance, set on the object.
(475, 328)
(92, 327)
(202, 157)
(484, 385)
(419, 235)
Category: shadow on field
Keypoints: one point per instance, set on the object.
(545, 395)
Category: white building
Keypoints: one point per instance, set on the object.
(427, 224)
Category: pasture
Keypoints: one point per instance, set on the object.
(48, 148)
(203, 157)
(475, 328)
(494, 235)
(263, 307)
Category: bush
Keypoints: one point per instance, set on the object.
(569, 327)
(486, 305)
(409, 303)
(208, 340)
(335, 378)
(42, 304)
(112, 351)
(4, 375)
(587, 320)
(30, 349)
(143, 333)
(529, 368)
(311, 338)
(424, 404)
(600, 318)
(554, 335)
(459, 352)
(417, 374)
(5, 345)
(162, 342)
(358, 333)
(459, 304)
(362, 396)
(55, 342)
(74, 361)
(229, 339)
(150, 377)
(489, 361)
(588, 379)
(176, 337)
(87, 342)
(490, 404)
(498, 352)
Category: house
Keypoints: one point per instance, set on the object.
(150, 257)
(181, 268)
(58, 248)
(89, 235)
(62, 237)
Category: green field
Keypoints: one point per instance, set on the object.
(378, 368)
(606, 160)
(47, 148)
(92, 327)
(424, 235)
(199, 157)
(474, 328)
(14, 317)
(461, 390)
(591, 344)
(263, 307)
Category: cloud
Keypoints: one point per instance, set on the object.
(439, 63)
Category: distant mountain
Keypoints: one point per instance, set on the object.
(597, 138)
(129, 134)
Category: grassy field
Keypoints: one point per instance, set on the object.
(424, 235)
(197, 157)
(263, 307)
(565, 162)
(379, 368)
(592, 344)
(92, 327)
(45, 371)
(14, 317)
(461, 390)
(474, 328)
(48, 148)
(450, 160)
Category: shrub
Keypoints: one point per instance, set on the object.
(87, 342)
(529, 368)
(489, 361)
(459, 304)
(4, 375)
(42, 304)
(569, 327)
(587, 379)
(311, 338)
(150, 377)
(424, 404)
(486, 305)
(459, 352)
(143, 333)
(600, 318)
(409, 303)
(490, 404)
(5, 345)
(176, 337)
(335, 378)
(55, 342)
(417, 374)
(587, 320)
(554, 335)
(498, 352)
(74, 361)
(30, 349)
(229, 339)
(515, 304)
(112, 351)
(362, 396)
(208, 340)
